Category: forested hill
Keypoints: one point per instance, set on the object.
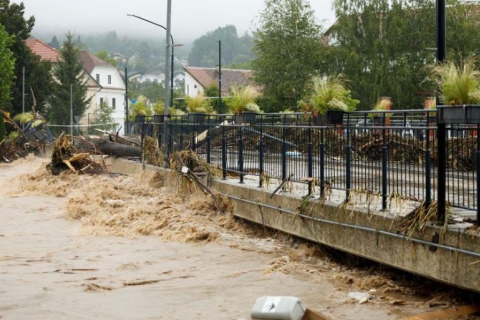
(236, 51)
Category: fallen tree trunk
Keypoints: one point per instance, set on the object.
(95, 145)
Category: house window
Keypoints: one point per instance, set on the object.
(101, 101)
(188, 89)
(114, 103)
(109, 79)
(98, 78)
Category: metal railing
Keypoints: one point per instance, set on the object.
(380, 152)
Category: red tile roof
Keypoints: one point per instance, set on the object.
(44, 51)
(208, 76)
(90, 61)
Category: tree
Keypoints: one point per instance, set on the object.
(3, 130)
(103, 115)
(235, 49)
(37, 73)
(7, 67)
(105, 57)
(54, 43)
(287, 45)
(68, 72)
(382, 46)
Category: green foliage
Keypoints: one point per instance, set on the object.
(199, 104)
(211, 91)
(288, 47)
(23, 118)
(69, 72)
(235, 50)
(7, 66)
(459, 84)
(159, 107)
(12, 135)
(103, 115)
(329, 93)
(243, 99)
(106, 57)
(139, 109)
(3, 129)
(37, 73)
(151, 90)
(382, 46)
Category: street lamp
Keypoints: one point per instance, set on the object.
(172, 54)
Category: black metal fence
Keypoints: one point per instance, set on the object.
(383, 153)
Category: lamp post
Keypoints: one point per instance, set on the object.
(172, 53)
(441, 128)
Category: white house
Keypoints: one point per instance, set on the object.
(112, 86)
(148, 77)
(178, 80)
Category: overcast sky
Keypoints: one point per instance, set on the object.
(191, 18)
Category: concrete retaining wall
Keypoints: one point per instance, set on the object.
(448, 265)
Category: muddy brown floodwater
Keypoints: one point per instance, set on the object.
(116, 247)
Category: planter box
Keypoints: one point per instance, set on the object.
(335, 117)
(159, 118)
(245, 117)
(464, 114)
(196, 117)
(140, 119)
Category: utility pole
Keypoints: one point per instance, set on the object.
(167, 73)
(220, 76)
(127, 129)
(171, 74)
(71, 110)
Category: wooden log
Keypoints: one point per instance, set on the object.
(95, 145)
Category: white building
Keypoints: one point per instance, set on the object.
(112, 86)
(178, 80)
(148, 77)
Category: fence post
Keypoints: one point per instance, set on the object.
(170, 142)
(224, 155)
(260, 153)
(208, 143)
(478, 175)
(159, 135)
(384, 164)
(143, 134)
(193, 136)
(442, 174)
(240, 154)
(310, 158)
(348, 151)
(428, 166)
(181, 135)
(322, 162)
(284, 153)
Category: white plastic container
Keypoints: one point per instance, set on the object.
(278, 308)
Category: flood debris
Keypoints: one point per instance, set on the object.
(422, 217)
(20, 142)
(98, 145)
(66, 157)
(152, 154)
(188, 166)
(450, 313)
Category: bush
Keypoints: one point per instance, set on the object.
(3, 129)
